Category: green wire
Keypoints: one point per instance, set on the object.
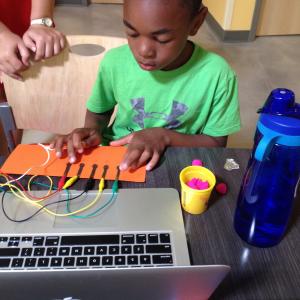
(93, 214)
(115, 189)
(44, 185)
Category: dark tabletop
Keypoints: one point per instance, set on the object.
(256, 273)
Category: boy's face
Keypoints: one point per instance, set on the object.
(157, 32)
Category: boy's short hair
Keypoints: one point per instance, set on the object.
(193, 5)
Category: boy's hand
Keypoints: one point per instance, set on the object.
(78, 140)
(45, 42)
(143, 146)
(14, 55)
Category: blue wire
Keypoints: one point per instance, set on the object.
(3, 189)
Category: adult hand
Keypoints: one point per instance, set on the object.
(44, 41)
(14, 55)
(78, 140)
(144, 146)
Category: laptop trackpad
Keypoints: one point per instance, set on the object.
(145, 209)
(93, 211)
(131, 209)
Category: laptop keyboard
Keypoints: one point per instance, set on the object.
(86, 251)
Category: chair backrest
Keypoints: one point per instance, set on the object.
(53, 94)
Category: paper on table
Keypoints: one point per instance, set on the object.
(33, 156)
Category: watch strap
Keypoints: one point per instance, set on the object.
(42, 21)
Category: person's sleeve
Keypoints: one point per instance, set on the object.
(102, 96)
(224, 117)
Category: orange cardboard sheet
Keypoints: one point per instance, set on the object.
(33, 156)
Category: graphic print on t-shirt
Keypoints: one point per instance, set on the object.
(178, 109)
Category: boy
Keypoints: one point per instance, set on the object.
(169, 91)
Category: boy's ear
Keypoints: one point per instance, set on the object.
(198, 20)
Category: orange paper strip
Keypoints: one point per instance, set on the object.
(33, 156)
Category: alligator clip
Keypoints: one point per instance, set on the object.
(73, 179)
(62, 180)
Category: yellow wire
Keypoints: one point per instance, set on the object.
(25, 198)
(29, 183)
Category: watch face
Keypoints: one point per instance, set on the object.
(47, 21)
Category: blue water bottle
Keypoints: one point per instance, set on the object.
(270, 183)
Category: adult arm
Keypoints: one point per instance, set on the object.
(44, 41)
(42, 9)
(13, 53)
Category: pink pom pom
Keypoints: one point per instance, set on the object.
(194, 181)
(192, 185)
(221, 188)
(203, 185)
(197, 162)
(198, 184)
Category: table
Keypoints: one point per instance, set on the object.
(257, 273)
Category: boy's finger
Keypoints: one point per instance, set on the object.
(77, 142)
(58, 146)
(85, 139)
(91, 141)
(130, 159)
(52, 145)
(146, 155)
(123, 141)
(71, 151)
(153, 162)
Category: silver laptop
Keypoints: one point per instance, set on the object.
(133, 247)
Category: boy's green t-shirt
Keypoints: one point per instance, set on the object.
(200, 97)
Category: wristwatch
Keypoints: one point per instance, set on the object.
(43, 21)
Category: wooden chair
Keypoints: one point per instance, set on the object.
(53, 94)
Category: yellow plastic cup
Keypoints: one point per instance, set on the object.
(192, 200)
